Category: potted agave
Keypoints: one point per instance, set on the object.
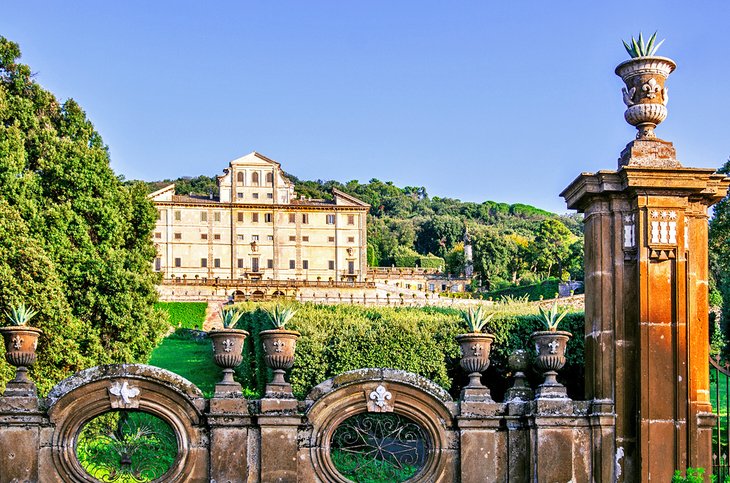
(550, 346)
(475, 346)
(227, 348)
(279, 347)
(644, 75)
(21, 342)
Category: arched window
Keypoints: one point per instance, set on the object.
(239, 177)
(269, 178)
(255, 179)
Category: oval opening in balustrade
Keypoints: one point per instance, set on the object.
(371, 447)
(126, 446)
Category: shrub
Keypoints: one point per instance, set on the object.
(431, 261)
(546, 289)
(336, 339)
(186, 315)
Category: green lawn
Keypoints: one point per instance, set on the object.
(191, 359)
(188, 315)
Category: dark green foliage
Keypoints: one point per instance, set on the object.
(431, 261)
(719, 237)
(188, 315)
(188, 185)
(405, 257)
(76, 243)
(336, 339)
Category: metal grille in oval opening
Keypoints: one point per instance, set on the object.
(126, 446)
(374, 447)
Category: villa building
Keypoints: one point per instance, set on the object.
(257, 229)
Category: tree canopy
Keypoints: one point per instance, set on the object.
(75, 242)
(719, 237)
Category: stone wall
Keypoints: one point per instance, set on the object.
(231, 439)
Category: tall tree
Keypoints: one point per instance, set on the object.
(551, 247)
(719, 241)
(76, 241)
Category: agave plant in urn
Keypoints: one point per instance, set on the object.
(21, 342)
(475, 348)
(279, 347)
(550, 346)
(646, 97)
(227, 348)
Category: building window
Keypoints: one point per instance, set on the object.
(331, 264)
(178, 263)
(217, 262)
(217, 236)
(240, 217)
(267, 217)
(305, 264)
(270, 196)
(255, 179)
(239, 195)
(330, 219)
(331, 239)
(305, 238)
(269, 178)
(203, 236)
(292, 238)
(270, 237)
(203, 216)
(254, 238)
(178, 236)
(217, 216)
(254, 264)
(204, 263)
(292, 264)
(255, 196)
(158, 234)
(269, 263)
(239, 178)
(240, 237)
(158, 264)
(254, 217)
(351, 239)
(350, 268)
(240, 263)
(177, 216)
(350, 219)
(292, 218)
(305, 218)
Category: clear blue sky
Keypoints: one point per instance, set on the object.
(506, 101)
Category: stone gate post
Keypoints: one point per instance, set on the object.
(646, 272)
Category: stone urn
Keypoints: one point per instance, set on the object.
(279, 347)
(518, 363)
(550, 347)
(645, 95)
(21, 343)
(227, 353)
(475, 348)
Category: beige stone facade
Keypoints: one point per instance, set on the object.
(258, 229)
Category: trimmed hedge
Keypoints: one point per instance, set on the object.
(336, 339)
(545, 290)
(185, 315)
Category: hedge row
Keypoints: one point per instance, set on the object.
(336, 339)
(186, 315)
(539, 291)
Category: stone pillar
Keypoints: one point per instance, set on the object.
(279, 423)
(229, 423)
(20, 423)
(483, 442)
(646, 336)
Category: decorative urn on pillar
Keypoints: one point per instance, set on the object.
(475, 348)
(21, 342)
(550, 346)
(279, 348)
(227, 349)
(645, 95)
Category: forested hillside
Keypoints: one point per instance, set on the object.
(512, 244)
